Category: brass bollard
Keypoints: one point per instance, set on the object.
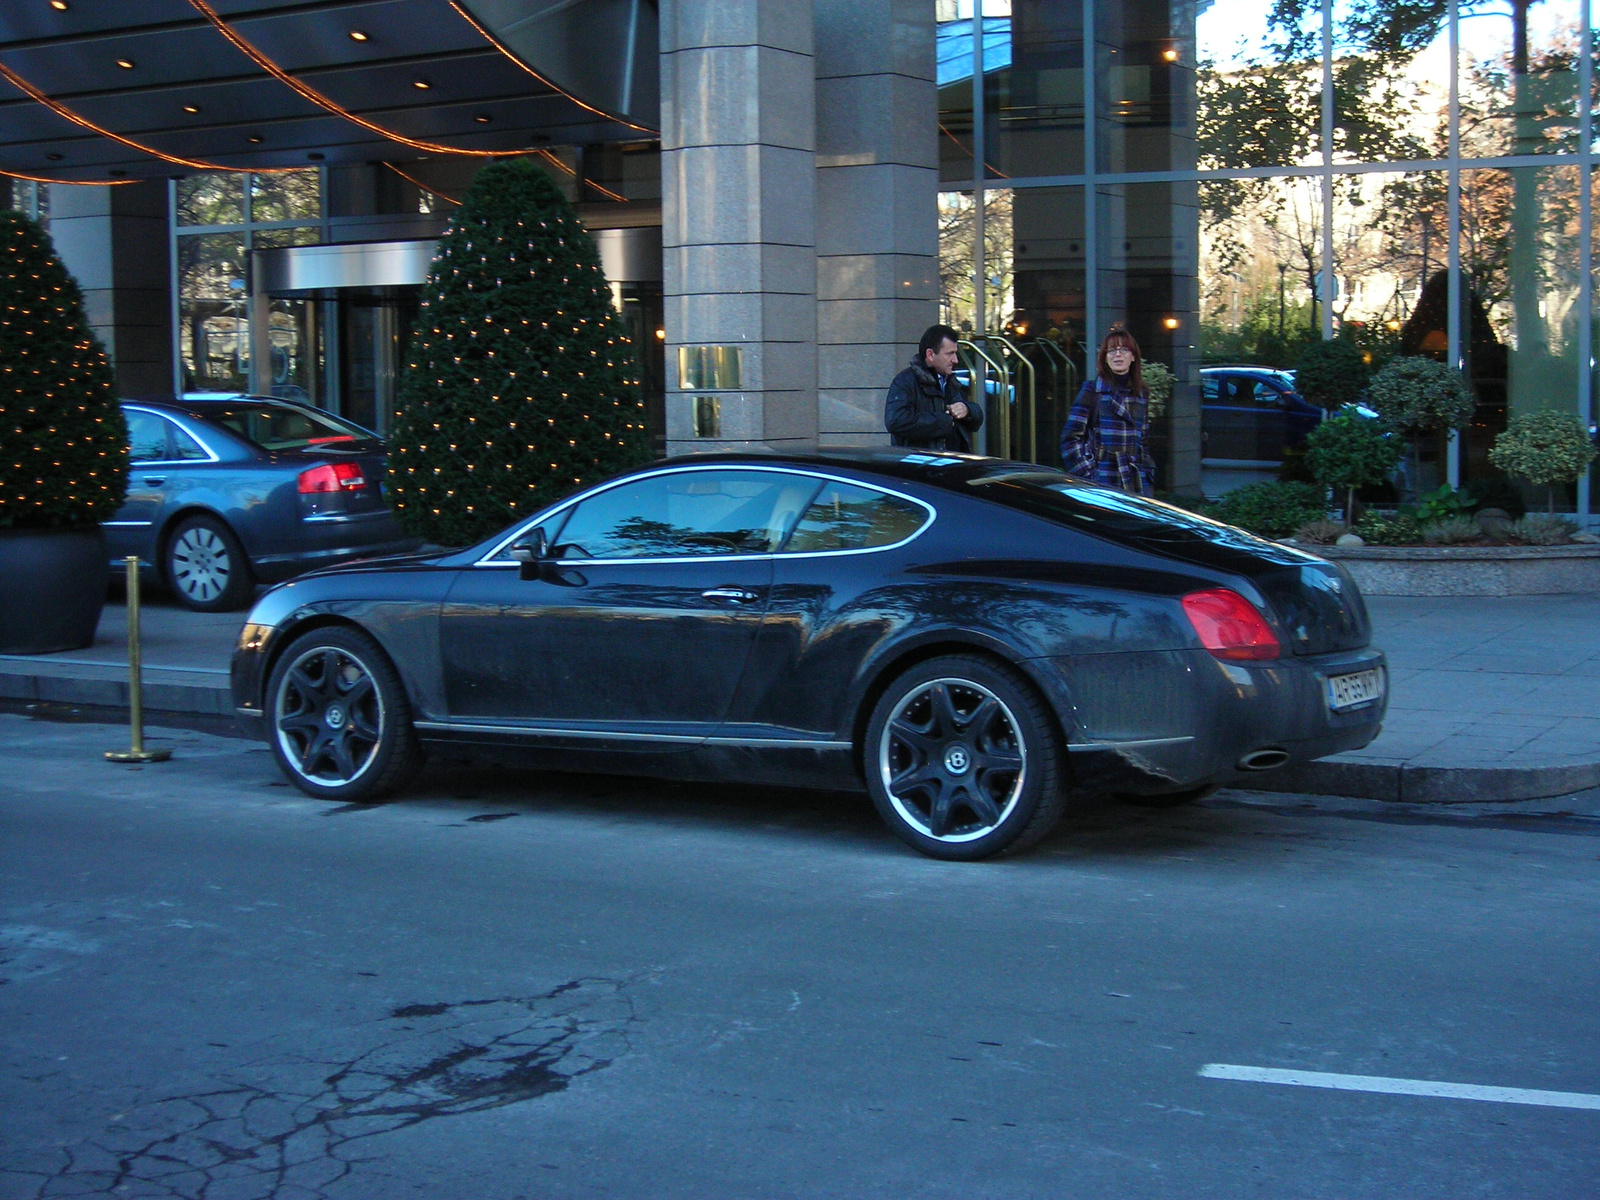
(136, 753)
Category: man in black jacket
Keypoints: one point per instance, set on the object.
(920, 410)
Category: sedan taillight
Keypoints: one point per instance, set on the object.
(1229, 625)
(332, 477)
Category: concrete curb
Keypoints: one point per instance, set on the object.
(1405, 783)
(166, 689)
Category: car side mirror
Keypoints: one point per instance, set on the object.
(531, 554)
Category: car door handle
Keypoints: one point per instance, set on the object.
(155, 480)
(737, 595)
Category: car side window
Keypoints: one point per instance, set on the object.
(687, 514)
(184, 447)
(147, 436)
(1208, 389)
(845, 516)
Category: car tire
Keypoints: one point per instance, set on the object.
(206, 568)
(963, 759)
(338, 718)
(1168, 799)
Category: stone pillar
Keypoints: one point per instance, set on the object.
(738, 172)
(115, 241)
(877, 205)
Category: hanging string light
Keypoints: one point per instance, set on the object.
(68, 182)
(498, 45)
(61, 110)
(305, 90)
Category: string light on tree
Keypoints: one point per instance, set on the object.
(63, 442)
(511, 260)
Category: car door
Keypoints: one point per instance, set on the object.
(642, 623)
(1271, 422)
(1226, 416)
(131, 528)
(820, 624)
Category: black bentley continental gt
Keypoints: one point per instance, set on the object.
(966, 638)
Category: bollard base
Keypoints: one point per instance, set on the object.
(137, 756)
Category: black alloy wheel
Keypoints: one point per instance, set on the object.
(963, 760)
(340, 724)
(206, 567)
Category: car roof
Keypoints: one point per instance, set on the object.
(200, 404)
(933, 467)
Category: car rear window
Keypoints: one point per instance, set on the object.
(281, 428)
(1119, 515)
(846, 517)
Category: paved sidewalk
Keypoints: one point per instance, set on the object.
(1491, 699)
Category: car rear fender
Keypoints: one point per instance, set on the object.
(879, 672)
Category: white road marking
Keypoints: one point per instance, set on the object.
(1401, 1087)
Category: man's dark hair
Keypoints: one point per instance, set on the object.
(932, 339)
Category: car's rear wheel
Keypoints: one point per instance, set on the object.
(338, 717)
(206, 567)
(963, 760)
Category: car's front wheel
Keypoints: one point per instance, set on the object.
(206, 567)
(339, 721)
(963, 759)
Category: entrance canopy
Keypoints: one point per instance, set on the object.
(112, 90)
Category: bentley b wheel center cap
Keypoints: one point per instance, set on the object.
(957, 759)
(335, 717)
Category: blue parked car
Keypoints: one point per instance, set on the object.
(228, 491)
(1251, 416)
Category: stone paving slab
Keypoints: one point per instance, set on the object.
(1492, 699)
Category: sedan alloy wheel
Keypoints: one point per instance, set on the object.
(206, 567)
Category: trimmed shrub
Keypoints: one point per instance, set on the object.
(1545, 447)
(520, 385)
(1331, 374)
(1419, 395)
(63, 442)
(1350, 451)
(1271, 509)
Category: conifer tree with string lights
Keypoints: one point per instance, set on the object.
(519, 385)
(63, 441)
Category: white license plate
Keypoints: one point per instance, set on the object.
(1362, 687)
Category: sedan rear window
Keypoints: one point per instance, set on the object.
(273, 427)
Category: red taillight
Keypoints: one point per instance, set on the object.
(1229, 625)
(332, 477)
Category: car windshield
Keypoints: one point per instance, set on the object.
(1104, 510)
(279, 427)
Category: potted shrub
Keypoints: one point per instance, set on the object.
(1545, 447)
(1158, 380)
(520, 384)
(63, 450)
(1350, 451)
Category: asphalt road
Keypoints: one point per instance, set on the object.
(504, 986)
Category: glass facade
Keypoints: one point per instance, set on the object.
(1257, 174)
(218, 218)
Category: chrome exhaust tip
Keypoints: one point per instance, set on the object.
(1264, 760)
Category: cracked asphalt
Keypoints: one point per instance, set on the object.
(515, 986)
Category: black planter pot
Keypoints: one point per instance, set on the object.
(52, 587)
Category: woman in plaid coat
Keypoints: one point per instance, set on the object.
(1103, 439)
